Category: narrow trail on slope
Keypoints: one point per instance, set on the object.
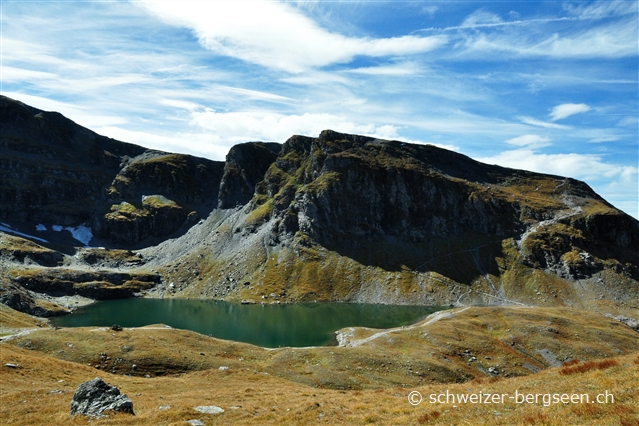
(342, 337)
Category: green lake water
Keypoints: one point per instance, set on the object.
(268, 325)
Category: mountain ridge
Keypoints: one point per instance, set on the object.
(337, 217)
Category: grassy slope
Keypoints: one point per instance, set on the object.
(384, 369)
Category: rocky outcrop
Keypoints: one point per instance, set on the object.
(95, 397)
(92, 284)
(23, 300)
(245, 167)
(359, 195)
(55, 172)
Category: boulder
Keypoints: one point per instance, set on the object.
(94, 397)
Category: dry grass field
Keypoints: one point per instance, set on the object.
(302, 385)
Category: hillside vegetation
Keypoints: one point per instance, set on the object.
(365, 382)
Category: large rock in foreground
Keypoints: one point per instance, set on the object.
(94, 397)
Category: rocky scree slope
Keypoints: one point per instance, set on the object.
(338, 217)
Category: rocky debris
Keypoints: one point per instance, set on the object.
(13, 366)
(94, 397)
(209, 409)
(549, 357)
(195, 422)
(630, 322)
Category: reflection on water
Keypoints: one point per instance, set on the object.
(308, 324)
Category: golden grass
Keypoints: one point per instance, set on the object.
(302, 385)
(12, 319)
(40, 393)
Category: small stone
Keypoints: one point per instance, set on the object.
(209, 409)
(223, 368)
(165, 407)
(11, 365)
(195, 422)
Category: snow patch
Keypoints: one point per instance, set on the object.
(81, 233)
(6, 228)
(40, 227)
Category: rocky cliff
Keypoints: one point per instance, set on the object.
(337, 217)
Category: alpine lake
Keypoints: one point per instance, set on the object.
(266, 325)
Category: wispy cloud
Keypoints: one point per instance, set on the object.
(539, 123)
(267, 33)
(389, 70)
(429, 10)
(566, 110)
(601, 9)
(198, 77)
(531, 141)
(271, 126)
(606, 41)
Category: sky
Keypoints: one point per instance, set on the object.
(547, 86)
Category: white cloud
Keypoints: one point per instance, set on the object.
(271, 126)
(199, 144)
(531, 141)
(539, 123)
(430, 10)
(566, 110)
(176, 103)
(602, 9)
(278, 36)
(316, 78)
(605, 139)
(616, 40)
(481, 18)
(78, 114)
(255, 94)
(402, 69)
(16, 75)
(580, 166)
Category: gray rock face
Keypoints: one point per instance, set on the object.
(54, 171)
(245, 167)
(94, 397)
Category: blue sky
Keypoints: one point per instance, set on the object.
(548, 86)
